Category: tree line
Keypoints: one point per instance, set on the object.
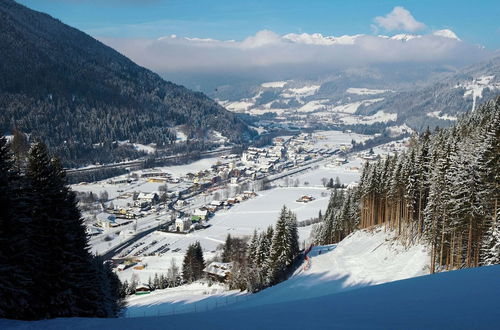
(445, 189)
(46, 268)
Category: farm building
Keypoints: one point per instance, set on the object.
(151, 198)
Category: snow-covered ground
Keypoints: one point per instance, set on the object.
(241, 220)
(475, 88)
(437, 114)
(194, 297)
(463, 299)
(274, 84)
(366, 257)
(378, 117)
(366, 91)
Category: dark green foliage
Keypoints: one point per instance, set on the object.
(445, 189)
(52, 274)
(193, 264)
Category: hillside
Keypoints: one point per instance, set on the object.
(461, 299)
(397, 95)
(365, 258)
(441, 102)
(62, 85)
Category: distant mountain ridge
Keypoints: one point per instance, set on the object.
(443, 101)
(390, 95)
(75, 93)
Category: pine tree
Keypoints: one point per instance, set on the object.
(252, 249)
(281, 246)
(193, 264)
(228, 249)
(15, 266)
(490, 247)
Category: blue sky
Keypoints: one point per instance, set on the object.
(473, 21)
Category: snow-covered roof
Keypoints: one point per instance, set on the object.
(219, 268)
(199, 212)
(106, 217)
(148, 196)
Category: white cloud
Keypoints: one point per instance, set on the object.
(399, 19)
(267, 55)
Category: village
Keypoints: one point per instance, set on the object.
(145, 219)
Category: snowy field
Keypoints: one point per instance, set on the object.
(241, 220)
(194, 297)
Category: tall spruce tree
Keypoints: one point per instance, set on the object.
(15, 267)
(193, 264)
(55, 275)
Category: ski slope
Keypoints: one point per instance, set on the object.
(464, 299)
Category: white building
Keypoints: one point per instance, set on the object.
(182, 224)
(106, 220)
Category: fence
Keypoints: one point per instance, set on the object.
(205, 305)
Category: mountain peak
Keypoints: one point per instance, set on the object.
(446, 33)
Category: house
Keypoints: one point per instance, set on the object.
(142, 289)
(249, 194)
(180, 203)
(201, 214)
(151, 198)
(106, 220)
(182, 224)
(93, 231)
(219, 271)
(118, 181)
(340, 161)
(232, 201)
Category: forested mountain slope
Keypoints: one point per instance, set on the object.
(62, 85)
(445, 190)
(439, 102)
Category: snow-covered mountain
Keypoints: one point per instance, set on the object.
(440, 103)
(393, 94)
(319, 39)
